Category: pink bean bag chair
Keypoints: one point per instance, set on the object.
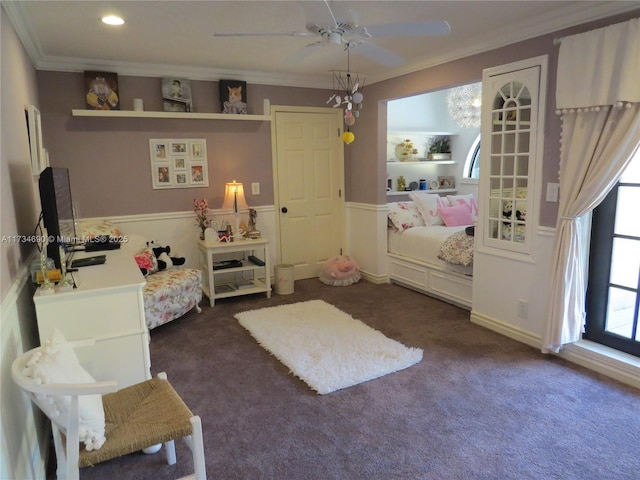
(340, 271)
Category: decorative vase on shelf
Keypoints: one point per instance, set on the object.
(406, 151)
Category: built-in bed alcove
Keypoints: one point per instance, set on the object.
(414, 245)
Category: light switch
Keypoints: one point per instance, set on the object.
(255, 188)
(553, 191)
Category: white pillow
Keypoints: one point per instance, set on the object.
(56, 362)
(429, 207)
(404, 215)
(468, 200)
(93, 228)
(134, 244)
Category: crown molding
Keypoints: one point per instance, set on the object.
(66, 64)
(568, 17)
(575, 14)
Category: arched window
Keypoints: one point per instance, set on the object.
(472, 165)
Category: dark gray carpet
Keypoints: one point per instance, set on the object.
(478, 406)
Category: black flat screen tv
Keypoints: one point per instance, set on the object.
(57, 211)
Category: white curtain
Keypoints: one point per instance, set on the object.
(598, 95)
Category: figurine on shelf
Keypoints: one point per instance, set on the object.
(401, 183)
(253, 232)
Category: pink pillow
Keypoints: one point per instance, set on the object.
(468, 200)
(456, 216)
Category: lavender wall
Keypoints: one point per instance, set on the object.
(108, 158)
(365, 168)
(18, 187)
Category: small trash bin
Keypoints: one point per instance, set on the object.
(285, 279)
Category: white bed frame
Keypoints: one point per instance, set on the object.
(431, 279)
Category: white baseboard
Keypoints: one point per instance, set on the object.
(598, 358)
(507, 330)
(618, 365)
(376, 279)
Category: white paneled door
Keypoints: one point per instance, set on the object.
(309, 176)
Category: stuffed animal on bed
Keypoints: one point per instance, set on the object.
(340, 271)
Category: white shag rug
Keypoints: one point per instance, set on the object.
(325, 347)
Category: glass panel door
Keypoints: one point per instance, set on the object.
(613, 297)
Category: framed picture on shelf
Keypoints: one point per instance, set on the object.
(178, 163)
(176, 95)
(447, 181)
(233, 96)
(102, 90)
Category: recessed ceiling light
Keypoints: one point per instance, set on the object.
(112, 20)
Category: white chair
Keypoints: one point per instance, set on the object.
(142, 415)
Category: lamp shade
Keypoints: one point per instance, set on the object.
(234, 197)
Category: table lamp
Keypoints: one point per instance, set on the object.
(234, 200)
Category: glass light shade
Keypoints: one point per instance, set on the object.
(234, 197)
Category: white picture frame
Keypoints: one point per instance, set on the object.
(36, 147)
(178, 163)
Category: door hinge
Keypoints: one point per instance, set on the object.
(341, 251)
(339, 193)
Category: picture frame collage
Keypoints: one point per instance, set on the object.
(178, 163)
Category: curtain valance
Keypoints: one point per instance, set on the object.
(600, 67)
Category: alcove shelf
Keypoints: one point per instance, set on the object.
(422, 162)
(174, 115)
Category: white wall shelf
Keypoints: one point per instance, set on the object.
(424, 162)
(174, 115)
(416, 133)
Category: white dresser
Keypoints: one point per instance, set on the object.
(107, 306)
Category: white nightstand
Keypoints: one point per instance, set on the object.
(249, 276)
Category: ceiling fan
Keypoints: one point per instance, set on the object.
(357, 38)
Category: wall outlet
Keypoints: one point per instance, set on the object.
(255, 188)
(523, 309)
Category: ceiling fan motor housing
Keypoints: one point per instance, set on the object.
(332, 34)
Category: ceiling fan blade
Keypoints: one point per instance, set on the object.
(304, 52)
(379, 54)
(436, 27)
(290, 34)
